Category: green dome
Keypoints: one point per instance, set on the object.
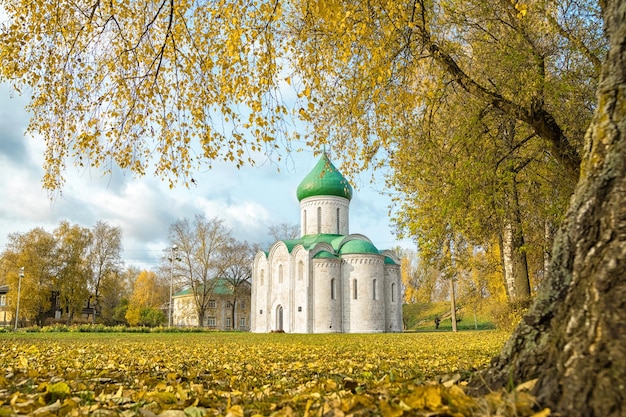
(324, 179)
(324, 255)
(358, 246)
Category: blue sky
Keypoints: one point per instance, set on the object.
(248, 199)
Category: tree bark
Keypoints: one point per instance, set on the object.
(573, 340)
(452, 306)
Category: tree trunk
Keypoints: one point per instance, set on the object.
(573, 340)
(452, 305)
(515, 264)
(233, 311)
(201, 316)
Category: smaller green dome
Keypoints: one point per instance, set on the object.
(324, 255)
(390, 261)
(324, 179)
(358, 246)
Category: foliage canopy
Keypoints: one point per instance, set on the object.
(180, 84)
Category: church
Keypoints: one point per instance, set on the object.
(328, 280)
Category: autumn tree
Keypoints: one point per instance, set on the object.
(238, 272)
(419, 279)
(104, 261)
(573, 339)
(149, 294)
(72, 274)
(203, 247)
(35, 251)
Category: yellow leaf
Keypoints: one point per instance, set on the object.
(387, 410)
(426, 397)
(522, 9)
(526, 386)
(543, 413)
(235, 411)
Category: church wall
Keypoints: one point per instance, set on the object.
(300, 284)
(327, 310)
(363, 307)
(260, 285)
(335, 215)
(393, 298)
(279, 297)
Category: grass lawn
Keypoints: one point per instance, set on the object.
(236, 373)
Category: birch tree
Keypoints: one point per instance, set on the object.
(203, 247)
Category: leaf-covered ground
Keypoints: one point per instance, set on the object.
(239, 374)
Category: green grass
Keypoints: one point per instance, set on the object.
(421, 317)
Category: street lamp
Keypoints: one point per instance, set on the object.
(170, 307)
(19, 288)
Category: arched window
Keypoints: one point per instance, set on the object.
(338, 220)
(319, 220)
(393, 292)
(300, 271)
(374, 293)
(333, 295)
(355, 292)
(280, 274)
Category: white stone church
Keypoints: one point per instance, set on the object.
(328, 280)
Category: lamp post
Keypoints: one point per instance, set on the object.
(19, 289)
(170, 308)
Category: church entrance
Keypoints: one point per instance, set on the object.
(279, 318)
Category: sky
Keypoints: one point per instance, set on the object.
(249, 199)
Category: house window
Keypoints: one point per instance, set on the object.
(228, 322)
(299, 309)
(304, 222)
(212, 304)
(319, 220)
(374, 293)
(337, 220)
(242, 322)
(242, 305)
(393, 292)
(260, 311)
(3, 300)
(280, 274)
(333, 296)
(210, 322)
(355, 292)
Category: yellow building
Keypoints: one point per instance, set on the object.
(6, 315)
(220, 313)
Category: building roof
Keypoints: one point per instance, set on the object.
(324, 179)
(309, 241)
(358, 246)
(325, 255)
(339, 243)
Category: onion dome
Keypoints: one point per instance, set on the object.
(324, 179)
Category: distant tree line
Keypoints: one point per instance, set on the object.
(76, 273)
